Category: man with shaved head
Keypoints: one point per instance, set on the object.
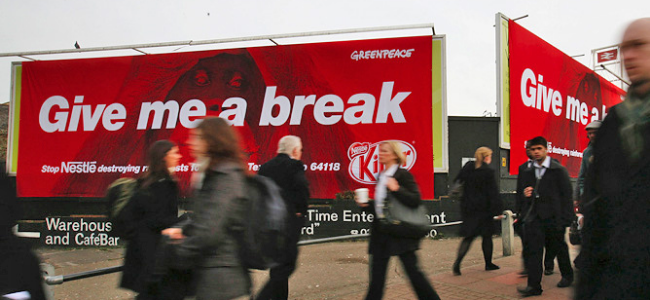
(616, 205)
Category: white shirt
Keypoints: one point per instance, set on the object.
(380, 189)
(540, 170)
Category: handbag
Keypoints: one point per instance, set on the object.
(404, 222)
(575, 236)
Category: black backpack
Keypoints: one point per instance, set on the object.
(265, 237)
(118, 196)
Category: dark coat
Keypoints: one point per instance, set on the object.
(521, 199)
(480, 201)
(616, 205)
(19, 267)
(289, 175)
(219, 215)
(155, 208)
(408, 194)
(554, 206)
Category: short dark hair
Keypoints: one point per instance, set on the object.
(538, 140)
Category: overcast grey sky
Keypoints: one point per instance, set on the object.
(575, 27)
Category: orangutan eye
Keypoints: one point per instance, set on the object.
(237, 81)
(201, 78)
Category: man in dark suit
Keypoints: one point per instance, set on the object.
(521, 209)
(548, 211)
(288, 172)
(615, 254)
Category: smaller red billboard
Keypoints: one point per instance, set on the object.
(554, 96)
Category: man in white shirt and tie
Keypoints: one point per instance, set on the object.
(547, 212)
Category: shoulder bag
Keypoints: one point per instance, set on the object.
(404, 222)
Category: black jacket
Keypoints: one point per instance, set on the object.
(616, 205)
(520, 188)
(408, 194)
(480, 191)
(155, 208)
(289, 175)
(554, 205)
(19, 267)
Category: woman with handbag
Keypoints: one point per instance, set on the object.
(207, 242)
(479, 204)
(394, 184)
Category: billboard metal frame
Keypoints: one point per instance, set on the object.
(503, 80)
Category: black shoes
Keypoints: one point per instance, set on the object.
(565, 282)
(529, 291)
(548, 272)
(491, 267)
(456, 269)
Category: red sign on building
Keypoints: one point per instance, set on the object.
(607, 56)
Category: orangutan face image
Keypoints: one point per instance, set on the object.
(215, 79)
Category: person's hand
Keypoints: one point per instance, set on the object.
(528, 191)
(361, 204)
(392, 184)
(174, 233)
(581, 221)
(499, 217)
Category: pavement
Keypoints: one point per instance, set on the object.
(335, 271)
(476, 283)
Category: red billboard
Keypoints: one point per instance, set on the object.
(86, 122)
(554, 96)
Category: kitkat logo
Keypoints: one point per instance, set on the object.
(364, 160)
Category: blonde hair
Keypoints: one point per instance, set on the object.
(480, 155)
(396, 148)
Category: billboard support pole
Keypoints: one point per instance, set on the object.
(221, 41)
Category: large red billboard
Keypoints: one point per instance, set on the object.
(86, 122)
(554, 96)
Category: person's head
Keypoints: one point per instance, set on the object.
(162, 157)
(213, 138)
(290, 145)
(592, 128)
(635, 50)
(529, 153)
(483, 155)
(390, 153)
(539, 148)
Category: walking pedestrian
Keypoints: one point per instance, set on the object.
(549, 211)
(615, 254)
(20, 274)
(478, 206)
(520, 201)
(208, 238)
(152, 208)
(394, 184)
(288, 172)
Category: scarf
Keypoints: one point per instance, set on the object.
(635, 116)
